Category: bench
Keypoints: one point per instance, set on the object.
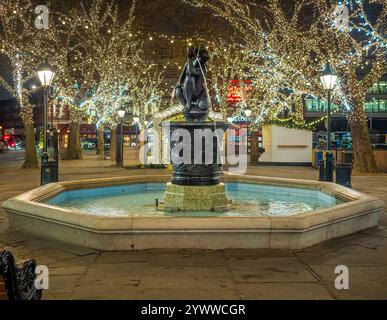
(17, 281)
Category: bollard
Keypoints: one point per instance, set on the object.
(48, 172)
(321, 170)
(157, 202)
(344, 174)
(329, 167)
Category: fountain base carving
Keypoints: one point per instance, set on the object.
(195, 198)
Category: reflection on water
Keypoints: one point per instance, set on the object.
(246, 200)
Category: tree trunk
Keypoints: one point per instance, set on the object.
(74, 151)
(363, 153)
(30, 158)
(101, 140)
(113, 144)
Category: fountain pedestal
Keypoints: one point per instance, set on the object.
(195, 183)
(195, 198)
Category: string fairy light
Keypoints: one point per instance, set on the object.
(296, 51)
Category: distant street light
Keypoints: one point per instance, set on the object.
(121, 113)
(248, 113)
(136, 120)
(328, 78)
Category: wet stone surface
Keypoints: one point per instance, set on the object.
(82, 273)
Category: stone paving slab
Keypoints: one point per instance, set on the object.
(279, 269)
(216, 278)
(285, 291)
(83, 273)
(104, 292)
(189, 294)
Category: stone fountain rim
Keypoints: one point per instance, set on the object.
(26, 210)
(36, 196)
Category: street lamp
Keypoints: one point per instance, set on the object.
(121, 113)
(328, 78)
(120, 144)
(248, 113)
(46, 75)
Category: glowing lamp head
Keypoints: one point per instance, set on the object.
(248, 113)
(46, 74)
(121, 113)
(328, 77)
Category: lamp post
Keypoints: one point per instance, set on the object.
(144, 142)
(328, 78)
(136, 121)
(248, 113)
(120, 142)
(46, 75)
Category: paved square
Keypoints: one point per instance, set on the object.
(82, 273)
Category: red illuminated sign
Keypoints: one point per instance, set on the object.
(235, 92)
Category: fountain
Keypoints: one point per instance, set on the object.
(195, 184)
(120, 213)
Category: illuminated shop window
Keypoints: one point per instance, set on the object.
(376, 105)
(382, 86)
(315, 105)
(383, 106)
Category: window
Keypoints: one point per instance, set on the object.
(311, 105)
(379, 87)
(322, 106)
(367, 106)
(316, 105)
(382, 86)
(375, 105)
(383, 106)
(375, 88)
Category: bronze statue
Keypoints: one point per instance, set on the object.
(192, 89)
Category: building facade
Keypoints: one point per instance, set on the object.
(375, 107)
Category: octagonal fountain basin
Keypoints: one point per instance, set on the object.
(120, 214)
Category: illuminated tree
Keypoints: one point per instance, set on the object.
(301, 36)
(227, 68)
(21, 45)
(146, 91)
(253, 78)
(93, 50)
